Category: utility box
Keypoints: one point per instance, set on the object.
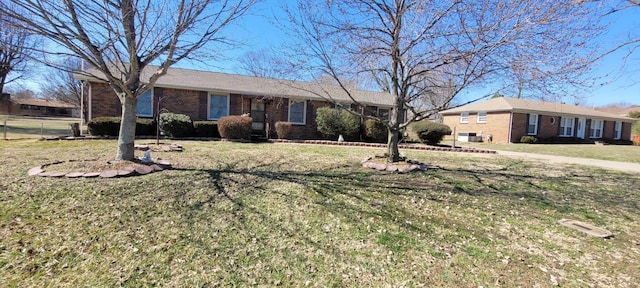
(469, 137)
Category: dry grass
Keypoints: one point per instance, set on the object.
(293, 215)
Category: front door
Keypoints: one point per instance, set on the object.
(258, 116)
(580, 131)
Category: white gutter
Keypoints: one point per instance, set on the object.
(510, 127)
(90, 101)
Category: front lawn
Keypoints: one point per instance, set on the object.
(234, 214)
(623, 153)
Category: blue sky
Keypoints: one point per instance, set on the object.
(619, 77)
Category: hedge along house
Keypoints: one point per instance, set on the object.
(206, 95)
(506, 120)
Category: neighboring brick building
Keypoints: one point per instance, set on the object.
(506, 120)
(36, 107)
(209, 95)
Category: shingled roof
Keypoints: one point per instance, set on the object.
(240, 84)
(44, 103)
(505, 104)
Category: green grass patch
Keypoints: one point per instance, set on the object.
(21, 127)
(623, 153)
(234, 214)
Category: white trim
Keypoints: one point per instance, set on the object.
(580, 130)
(617, 130)
(484, 119)
(304, 112)
(209, 94)
(596, 132)
(510, 127)
(564, 128)
(464, 117)
(90, 112)
(537, 119)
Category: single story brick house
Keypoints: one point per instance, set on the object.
(37, 107)
(506, 120)
(204, 95)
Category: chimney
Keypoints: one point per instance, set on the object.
(5, 97)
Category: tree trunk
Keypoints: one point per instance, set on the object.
(392, 146)
(397, 112)
(127, 129)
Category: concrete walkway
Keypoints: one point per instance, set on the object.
(605, 164)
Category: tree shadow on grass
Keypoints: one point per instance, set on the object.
(357, 193)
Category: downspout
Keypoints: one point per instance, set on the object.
(510, 127)
(90, 112)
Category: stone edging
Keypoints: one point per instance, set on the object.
(379, 145)
(124, 172)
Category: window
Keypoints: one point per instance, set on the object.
(617, 130)
(218, 106)
(566, 126)
(144, 108)
(596, 128)
(297, 112)
(340, 106)
(464, 117)
(384, 114)
(482, 117)
(532, 124)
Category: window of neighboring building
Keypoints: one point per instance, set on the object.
(144, 107)
(482, 117)
(596, 128)
(464, 117)
(617, 130)
(218, 106)
(297, 112)
(532, 126)
(566, 126)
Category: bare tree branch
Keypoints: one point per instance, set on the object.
(425, 53)
(119, 39)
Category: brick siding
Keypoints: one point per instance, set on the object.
(497, 125)
(194, 103)
(549, 127)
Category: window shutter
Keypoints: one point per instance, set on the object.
(604, 124)
(526, 125)
(538, 126)
(560, 126)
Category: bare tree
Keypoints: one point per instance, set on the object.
(415, 49)
(60, 85)
(121, 39)
(15, 50)
(264, 63)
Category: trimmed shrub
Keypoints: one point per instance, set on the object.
(375, 130)
(104, 126)
(332, 122)
(146, 127)
(430, 132)
(235, 127)
(110, 126)
(175, 125)
(529, 139)
(206, 129)
(351, 125)
(283, 129)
